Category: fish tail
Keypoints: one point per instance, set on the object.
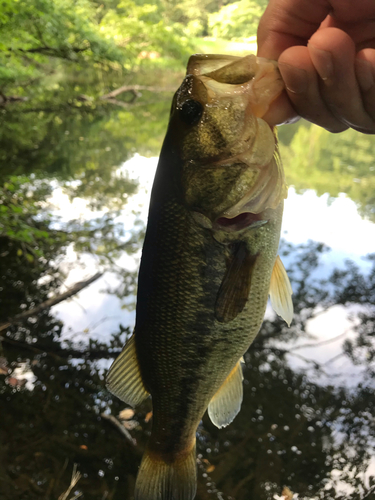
(161, 480)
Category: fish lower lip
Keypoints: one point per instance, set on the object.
(241, 221)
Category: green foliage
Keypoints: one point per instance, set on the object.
(32, 31)
(193, 15)
(56, 120)
(333, 163)
(23, 223)
(33, 236)
(56, 124)
(67, 54)
(140, 28)
(86, 146)
(237, 20)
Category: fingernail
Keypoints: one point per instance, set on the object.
(364, 73)
(322, 60)
(295, 79)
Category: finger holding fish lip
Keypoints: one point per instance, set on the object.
(281, 111)
(328, 84)
(304, 91)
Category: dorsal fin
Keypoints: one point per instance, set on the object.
(226, 403)
(235, 287)
(124, 378)
(281, 292)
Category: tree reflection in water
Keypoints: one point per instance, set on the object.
(293, 430)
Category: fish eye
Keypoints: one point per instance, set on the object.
(191, 112)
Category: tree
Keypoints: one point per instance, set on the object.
(339, 163)
(237, 20)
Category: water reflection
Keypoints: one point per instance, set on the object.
(306, 421)
(293, 429)
(332, 163)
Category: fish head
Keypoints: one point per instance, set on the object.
(230, 168)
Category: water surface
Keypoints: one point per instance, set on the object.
(307, 418)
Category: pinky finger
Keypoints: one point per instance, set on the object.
(365, 73)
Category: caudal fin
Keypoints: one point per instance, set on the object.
(159, 480)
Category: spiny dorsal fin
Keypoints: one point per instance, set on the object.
(226, 403)
(124, 377)
(281, 292)
(235, 287)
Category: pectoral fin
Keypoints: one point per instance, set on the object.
(281, 292)
(124, 377)
(235, 287)
(226, 403)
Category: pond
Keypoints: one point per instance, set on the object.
(74, 203)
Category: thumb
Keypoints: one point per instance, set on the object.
(286, 23)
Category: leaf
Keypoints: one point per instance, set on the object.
(29, 257)
(148, 416)
(9, 186)
(126, 414)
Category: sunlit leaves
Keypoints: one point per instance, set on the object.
(237, 20)
(33, 31)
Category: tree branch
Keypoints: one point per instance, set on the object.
(323, 342)
(4, 99)
(134, 89)
(50, 302)
(119, 427)
(52, 51)
(116, 102)
(63, 353)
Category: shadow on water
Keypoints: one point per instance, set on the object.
(297, 428)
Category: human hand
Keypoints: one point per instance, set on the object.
(326, 55)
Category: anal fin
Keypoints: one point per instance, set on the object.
(124, 378)
(235, 287)
(281, 292)
(226, 403)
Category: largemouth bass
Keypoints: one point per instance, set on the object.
(209, 262)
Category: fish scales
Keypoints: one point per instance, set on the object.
(207, 266)
(187, 278)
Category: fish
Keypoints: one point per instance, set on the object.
(209, 261)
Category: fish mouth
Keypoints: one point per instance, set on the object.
(239, 222)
